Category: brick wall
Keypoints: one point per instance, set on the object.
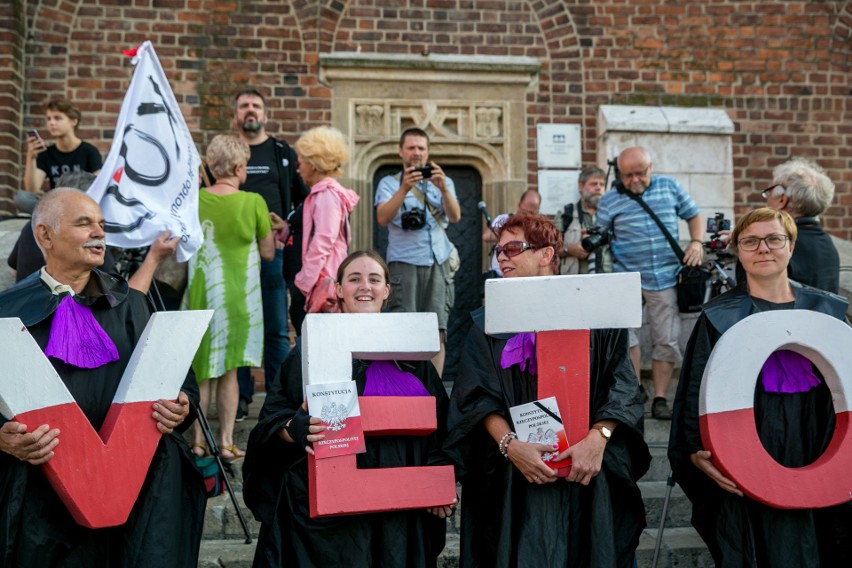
(781, 69)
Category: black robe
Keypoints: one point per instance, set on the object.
(276, 488)
(794, 428)
(165, 524)
(508, 522)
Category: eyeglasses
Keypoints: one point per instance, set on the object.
(631, 175)
(773, 242)
(512, 248)
(766, 193)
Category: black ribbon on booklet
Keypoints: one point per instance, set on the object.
(548, 411)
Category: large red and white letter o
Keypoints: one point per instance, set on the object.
(726, 409)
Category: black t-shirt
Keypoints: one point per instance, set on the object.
(265, 173)
(53, 162)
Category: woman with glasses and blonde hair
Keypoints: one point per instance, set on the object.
(517, 512)
(793, 410)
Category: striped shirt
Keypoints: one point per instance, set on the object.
(639, 244)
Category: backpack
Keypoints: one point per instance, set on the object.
(567, 216)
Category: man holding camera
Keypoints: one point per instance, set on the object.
(639, 246)
(574, 222)
(416, 205)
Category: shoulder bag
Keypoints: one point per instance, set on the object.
(691, 280)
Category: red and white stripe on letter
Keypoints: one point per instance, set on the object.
(726, 408)
(98, 475)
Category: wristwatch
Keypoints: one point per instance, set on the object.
(605, 432)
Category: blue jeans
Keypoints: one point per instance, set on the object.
(276, 339)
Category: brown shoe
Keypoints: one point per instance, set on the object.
(660, 409)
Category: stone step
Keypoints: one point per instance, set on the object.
(230, 553)
(654, 494)
(681, 547)
(656, 431)
(660, 467)
(221, 520)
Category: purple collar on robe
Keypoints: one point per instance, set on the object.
(788, 372)
(520, 350)
(384, 378)
(77, 338)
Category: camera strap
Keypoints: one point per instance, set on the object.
(672, 242)
(421, 197)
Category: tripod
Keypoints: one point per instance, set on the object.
(214, 451)
(208, 433)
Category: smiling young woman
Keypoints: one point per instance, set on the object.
(276, 473)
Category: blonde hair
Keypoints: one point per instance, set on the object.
(224, 153)
(324, 148)
(764, 214)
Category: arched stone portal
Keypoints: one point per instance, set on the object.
(474, 109)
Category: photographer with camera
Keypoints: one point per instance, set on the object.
(576, 222)
(417, 205)
(639, 246)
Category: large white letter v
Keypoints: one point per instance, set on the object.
(99, 475)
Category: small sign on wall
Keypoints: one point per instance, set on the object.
(558, 146)
(557, 188)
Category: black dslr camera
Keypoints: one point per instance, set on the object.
(413, 219)
(596, 238)
(425, 171)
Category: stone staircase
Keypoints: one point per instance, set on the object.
(223, 544)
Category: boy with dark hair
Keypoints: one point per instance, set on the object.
(68, 153)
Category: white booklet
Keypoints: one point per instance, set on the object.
(336, 404)
(539, 422)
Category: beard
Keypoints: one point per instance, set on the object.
(592, 200)
(251, 124)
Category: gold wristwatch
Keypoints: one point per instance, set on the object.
(605, 432)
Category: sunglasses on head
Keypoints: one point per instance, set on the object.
(513, 248)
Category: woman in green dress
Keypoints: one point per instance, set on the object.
(224, 276)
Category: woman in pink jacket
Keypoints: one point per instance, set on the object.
(326, 234)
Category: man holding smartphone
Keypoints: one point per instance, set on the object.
(416, 205)
(67, 154)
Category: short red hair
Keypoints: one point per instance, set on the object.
(538, 230)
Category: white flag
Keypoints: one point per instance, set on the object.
(149, 181)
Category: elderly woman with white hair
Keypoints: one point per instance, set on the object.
(224, 276)
(802, 189)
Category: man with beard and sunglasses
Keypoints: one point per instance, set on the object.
(271, 173)
(576, 219)
(517, 512)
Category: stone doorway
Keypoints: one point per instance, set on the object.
(467, 236)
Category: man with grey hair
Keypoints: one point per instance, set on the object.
(26, 257)
(639, 246)
(70, 298)
(576, 219)
(802, 189)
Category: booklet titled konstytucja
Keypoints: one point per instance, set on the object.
(539, 422)
(336, 404)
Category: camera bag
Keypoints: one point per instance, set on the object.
(691, 280)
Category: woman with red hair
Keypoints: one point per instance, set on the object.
(516, 511)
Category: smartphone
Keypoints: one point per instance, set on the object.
(33, 133)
